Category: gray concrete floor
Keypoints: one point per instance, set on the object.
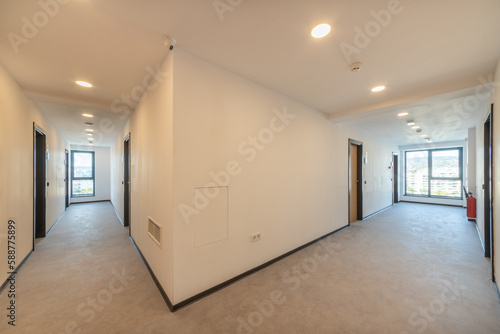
(410, 269)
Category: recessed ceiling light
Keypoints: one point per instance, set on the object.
(415, 127)
(378, 88)
(423, 136)
(429, 141)
(89, 134)
(321, 30)
(91, 144)
(410, 123)
(401, 114)
(83, 84)
(90, 139)
(88, 115)
(89, 130)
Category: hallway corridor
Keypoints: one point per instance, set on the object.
(86, 274)
(410, 269)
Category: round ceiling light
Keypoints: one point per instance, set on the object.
(83, 83)
(88, 115)
(321, 30)
(378, 88)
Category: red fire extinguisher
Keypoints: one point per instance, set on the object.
(471, 206)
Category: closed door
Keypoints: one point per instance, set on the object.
(353, 183)
(126, 182)
(395, 197)
(39, 183)
(489, 242)
(66, 178)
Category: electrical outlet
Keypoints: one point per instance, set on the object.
(256, 237)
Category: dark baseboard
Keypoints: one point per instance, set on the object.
(456, 206)
(158, 285)
(498, 291)
(87, 202)
(57, 221)
(249, 272)
(480, 238)
(225, 284)
(117, 215)
(379, 211)
(4, 284)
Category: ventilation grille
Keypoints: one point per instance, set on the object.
(154, 231)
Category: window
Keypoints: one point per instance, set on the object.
(82, 173)
(434, 173)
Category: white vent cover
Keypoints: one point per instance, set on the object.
(154, 231)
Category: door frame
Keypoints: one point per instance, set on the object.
(360, 179)
(489, 243)
(39, 183)
(66, 179)
(395, 178)
(126, 183)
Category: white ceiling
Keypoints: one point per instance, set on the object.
(442, 118)
(429, 48)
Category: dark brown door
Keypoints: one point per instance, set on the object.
(355, 181)
(126, 182)
(488, 191)
(39, 183)
(66, 177)
(395, 183)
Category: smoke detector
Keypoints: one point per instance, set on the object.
(355, 67)
(168, 42)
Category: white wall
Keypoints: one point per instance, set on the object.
(150, 129)
(102, 158)
(377, 177)
(471, 162)
(116, 167)
(56, 171)
(495, 99)
(480, 174)
(292, 188)
(16, 168)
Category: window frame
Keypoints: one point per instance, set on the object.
(73, 178)
(430, 178)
